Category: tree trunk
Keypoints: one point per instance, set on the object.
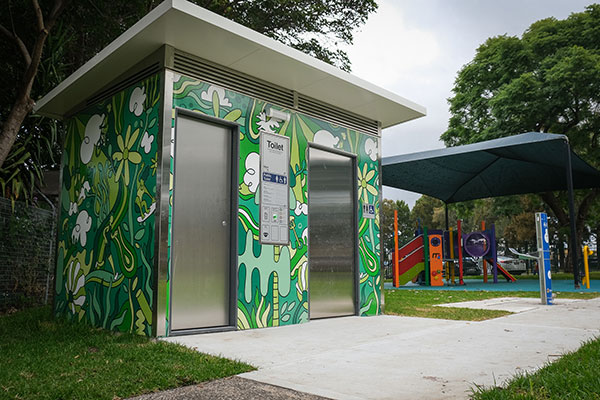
(24, 104)
(581, 213)
(21, 108)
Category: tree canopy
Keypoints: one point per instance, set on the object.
(548, 80)
(43, 41)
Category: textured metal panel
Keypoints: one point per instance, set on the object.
(163, 176)
(381, 253)
(336, 115)
(209, 72)
(231, 79)
(123, 84)
(332, 243)
(201, 225)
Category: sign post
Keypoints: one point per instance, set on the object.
(543, 245)
(274, 189)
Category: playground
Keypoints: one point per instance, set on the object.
(432, 256)
(429, 261)
(520, 285)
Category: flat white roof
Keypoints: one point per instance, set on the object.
(197, 31)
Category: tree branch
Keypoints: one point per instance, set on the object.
(19, 43)
(584, 208)
(38, 15)
(59, 6)
(552, 201)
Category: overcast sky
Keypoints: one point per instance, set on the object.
(415, 48)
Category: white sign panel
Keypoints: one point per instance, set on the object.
(368, 211)
(274, 189)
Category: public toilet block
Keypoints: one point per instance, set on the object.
(214, 179)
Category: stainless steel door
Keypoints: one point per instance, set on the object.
(332, 234)
(201, 232)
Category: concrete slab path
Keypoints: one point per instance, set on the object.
(512, 304)
(389, 357)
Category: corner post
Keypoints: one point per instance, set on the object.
(573, 241)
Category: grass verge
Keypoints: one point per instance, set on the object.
(46, 358)
(574, 376)
(421, 303)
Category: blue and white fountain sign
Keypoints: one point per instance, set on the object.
(543, 245)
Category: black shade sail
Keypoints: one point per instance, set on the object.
(527, 163)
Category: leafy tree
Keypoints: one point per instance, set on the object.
(405, 227)
(43, 41)
(425, 209)
(546, 81)
(27, 40)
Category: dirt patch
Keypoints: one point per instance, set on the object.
(230, 388)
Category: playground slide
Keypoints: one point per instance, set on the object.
(411, 260)
(505, 273)
(410, 272)
(410, 247)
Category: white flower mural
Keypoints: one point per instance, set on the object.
(147, 142)
(82, 227)
(72, 208)
(301, 208)
(147, 214)
(371, 149)
(364, 186)
(136, 101)
(302, 284)
(326, 138)
(266, 124)
(75, 285)
(251, 177)
(93, 128)
(85, 188)
(208, 95)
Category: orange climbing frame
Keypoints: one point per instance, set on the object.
(436, 264)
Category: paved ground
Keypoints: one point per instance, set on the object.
(527, 285)
(512, 304)
(389, 357)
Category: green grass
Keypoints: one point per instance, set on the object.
(555, 275)
(46, 358)
(574, 376)
(567, 276)
(421, 303)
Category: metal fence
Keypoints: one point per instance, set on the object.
(27, 247)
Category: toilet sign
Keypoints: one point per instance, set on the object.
(543, 245)
(274, 189)
(368, 210)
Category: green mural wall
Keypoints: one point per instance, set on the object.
(106, 227)
(273, 280)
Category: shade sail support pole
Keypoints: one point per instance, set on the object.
(573, 244)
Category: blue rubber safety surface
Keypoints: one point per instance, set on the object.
(524, 285)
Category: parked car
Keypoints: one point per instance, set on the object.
(470, 267)
(512, 265)
(475, 267)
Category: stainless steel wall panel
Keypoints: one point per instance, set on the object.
(163, 176)
(332, 234)
(201, 228)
